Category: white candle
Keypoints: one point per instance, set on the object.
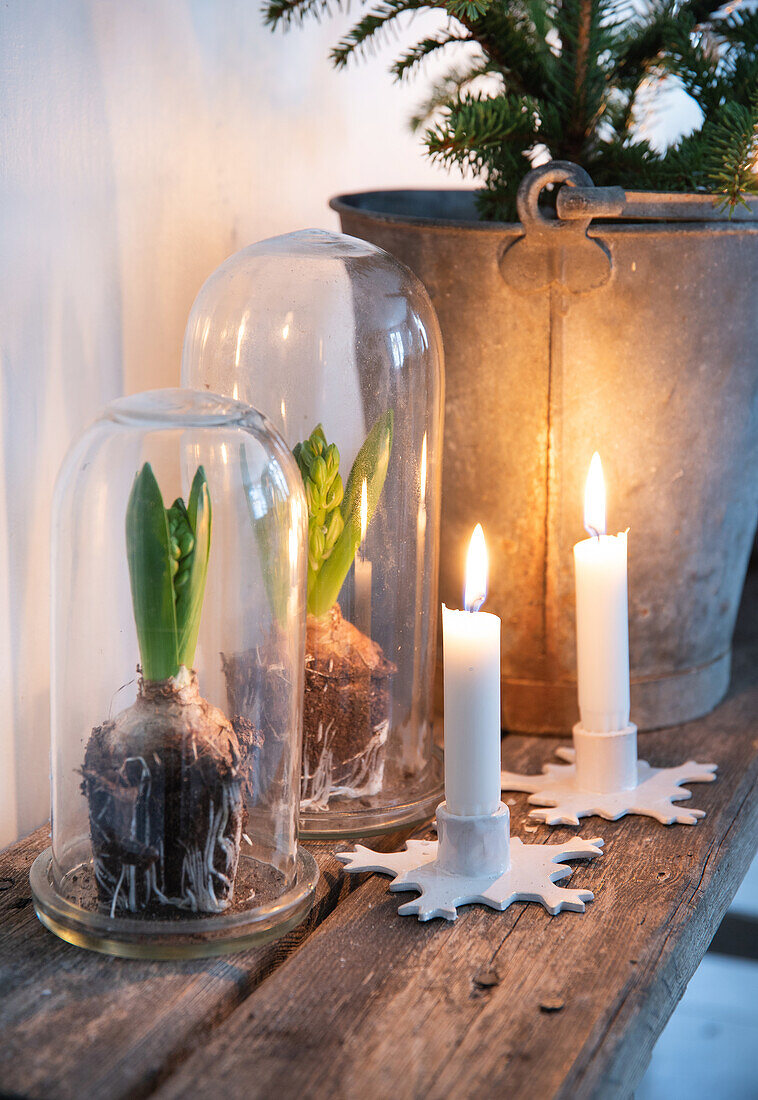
(602, 616)
(363, 573)
(471, 650)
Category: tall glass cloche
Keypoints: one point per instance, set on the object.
(338, 344)
(178, 619)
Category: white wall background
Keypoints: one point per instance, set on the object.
(141, 142)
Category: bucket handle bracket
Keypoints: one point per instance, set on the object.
(556, 251)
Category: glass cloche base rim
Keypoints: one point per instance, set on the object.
(343, 822)
(190, 938)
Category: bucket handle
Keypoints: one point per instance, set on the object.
(556, 250)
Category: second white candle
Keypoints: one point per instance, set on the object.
(602, 617)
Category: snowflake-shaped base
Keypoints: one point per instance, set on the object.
(564, 801)
(530, 874)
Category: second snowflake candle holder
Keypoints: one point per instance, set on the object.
(602, 774)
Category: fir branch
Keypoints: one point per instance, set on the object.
(365, 31)
(740, 28)
(586, 30)
(289, 12)
(476, 123)
(732, 153)
(568, 76)
(446, 91)
(692, 58)
(512, 43)
(629, 160)
(648, 35)
(412, 58)
(468, 9)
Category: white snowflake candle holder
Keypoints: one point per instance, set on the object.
(603, 776)
(477, 860)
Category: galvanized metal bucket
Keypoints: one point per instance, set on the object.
(636, 335)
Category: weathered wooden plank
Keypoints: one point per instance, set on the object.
(375, 1005)
(378, 1005)
(73, 1023)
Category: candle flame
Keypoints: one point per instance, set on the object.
(476, 571)
(594, 499)
(364, 509)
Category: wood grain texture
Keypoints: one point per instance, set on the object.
(377, 1005)
(74, 1023)
(361, 1002)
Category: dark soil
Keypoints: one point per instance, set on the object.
(346, 710)
(165, 787)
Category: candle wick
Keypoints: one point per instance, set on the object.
(475, 604)
(592, 532)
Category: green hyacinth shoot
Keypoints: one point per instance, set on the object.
(167, 550)
(334, 520)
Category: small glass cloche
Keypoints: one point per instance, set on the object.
(339, 345)
(178, 572)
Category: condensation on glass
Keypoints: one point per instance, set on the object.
(178, 616)
(338, 344)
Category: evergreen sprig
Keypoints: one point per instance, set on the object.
(408, 62)
(569, 78)
(732, 153)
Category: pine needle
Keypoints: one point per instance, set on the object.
(569, 78)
